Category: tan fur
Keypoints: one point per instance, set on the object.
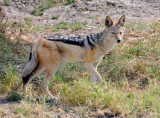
(90, 57)
(51, 53)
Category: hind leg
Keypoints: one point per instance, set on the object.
(36, 72)
(49, 73)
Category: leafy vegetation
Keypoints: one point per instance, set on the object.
(6, 2)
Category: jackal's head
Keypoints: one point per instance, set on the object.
(115, 31)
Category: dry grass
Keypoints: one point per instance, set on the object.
(131, 87)
(3, 21)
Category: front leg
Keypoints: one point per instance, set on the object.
(95, 64)
(96, 77)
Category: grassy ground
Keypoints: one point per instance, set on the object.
(131, 87)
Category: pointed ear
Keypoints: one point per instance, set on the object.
(108, 21)
(121, 20)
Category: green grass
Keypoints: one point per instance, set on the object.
(64, 26)
(36, 12)
(79, 10)
(29, 109)
(92, 17)
(46, 4)
(11, 52)
(28, 22)
(131, 79)
(11, 55)
(136, 26)
(14, 96)
(55, 28)
(55, 17)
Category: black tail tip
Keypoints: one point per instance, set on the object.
(25, 80)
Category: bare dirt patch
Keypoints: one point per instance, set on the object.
(93, 12)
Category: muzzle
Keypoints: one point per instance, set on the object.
(118, 41)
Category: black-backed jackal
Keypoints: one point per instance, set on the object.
(47, 54)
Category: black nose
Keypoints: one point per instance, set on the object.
(118, 41)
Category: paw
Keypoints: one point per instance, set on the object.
(53, 98)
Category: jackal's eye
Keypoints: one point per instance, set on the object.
(113, 32)
(120, 33)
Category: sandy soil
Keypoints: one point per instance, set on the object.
(93, 12)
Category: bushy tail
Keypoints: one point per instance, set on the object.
(31, 65)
